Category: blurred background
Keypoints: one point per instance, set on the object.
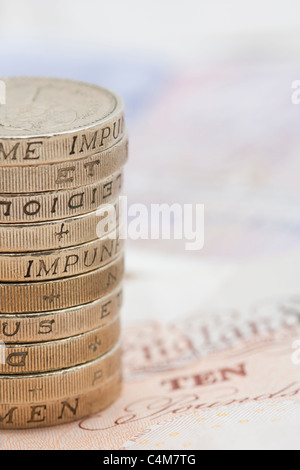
(207, 86)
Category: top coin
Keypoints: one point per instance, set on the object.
(52, 120)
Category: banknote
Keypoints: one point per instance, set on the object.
(214, 378)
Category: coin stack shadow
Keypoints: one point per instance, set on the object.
(63, 145)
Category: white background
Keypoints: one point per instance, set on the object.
(180, 29)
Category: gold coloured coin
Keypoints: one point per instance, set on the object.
(16, 238)
(62, 354)
(65, 410)
(35, 388)
(42, 207)
(58, 264)
(62, 293)
(63, 175)
(48, 120)
(51, 326)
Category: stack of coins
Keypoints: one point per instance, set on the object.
(63, 146)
